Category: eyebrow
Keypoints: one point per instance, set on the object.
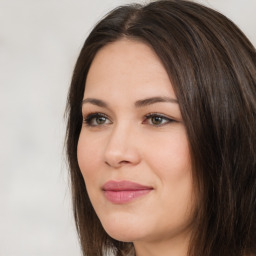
(153, 100)
(138, 103)
(96, 102)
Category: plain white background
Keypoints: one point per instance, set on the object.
(39, 43)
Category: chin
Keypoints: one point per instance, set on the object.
(124, 231)
(121, 235)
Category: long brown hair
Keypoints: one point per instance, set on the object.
(212, 67)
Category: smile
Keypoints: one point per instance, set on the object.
(120, 192)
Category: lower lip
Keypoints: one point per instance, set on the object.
(125, 196)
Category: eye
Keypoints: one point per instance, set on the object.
(96, 119)
(157, 119)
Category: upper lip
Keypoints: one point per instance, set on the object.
(123, 185)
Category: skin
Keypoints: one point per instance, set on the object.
(126, 144)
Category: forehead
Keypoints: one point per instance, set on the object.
(127, 65)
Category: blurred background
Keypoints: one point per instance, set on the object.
(39, 43)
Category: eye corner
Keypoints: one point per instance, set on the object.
(158, 120)
(96, 119)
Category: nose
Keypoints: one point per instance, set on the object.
(122, 147)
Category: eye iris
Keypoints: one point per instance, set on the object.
(157, 120)
(101, 120)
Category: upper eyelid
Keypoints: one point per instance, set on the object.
(87, 119)
(156, 114)
(88, 109)
(146, 115)
(160, 115)
(95, 114)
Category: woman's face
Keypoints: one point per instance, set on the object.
(133, 150)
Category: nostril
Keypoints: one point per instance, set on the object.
(118, 164)
(124, 162)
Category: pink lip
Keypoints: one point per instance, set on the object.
(120, 192)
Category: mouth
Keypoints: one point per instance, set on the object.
(120, 192)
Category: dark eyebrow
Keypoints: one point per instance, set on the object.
(153, 100)
(96, 102)
(138, 103)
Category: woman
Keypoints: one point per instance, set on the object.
(161, 134)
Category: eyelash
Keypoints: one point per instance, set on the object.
(163, 117)
(88, 120)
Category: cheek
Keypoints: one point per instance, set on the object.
(170, 155)
(171, 162)
(87, 156)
